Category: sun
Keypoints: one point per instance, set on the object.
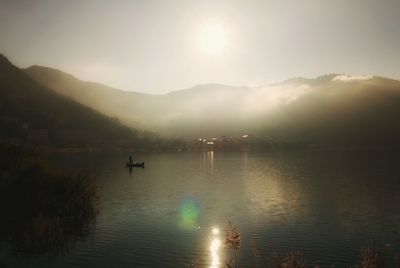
(213, 38)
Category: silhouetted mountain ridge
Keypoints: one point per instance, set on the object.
(333, 109)
(32, 112)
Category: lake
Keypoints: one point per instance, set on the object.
(172, 213)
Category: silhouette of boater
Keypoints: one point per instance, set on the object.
(131, 164)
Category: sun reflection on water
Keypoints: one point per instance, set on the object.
(214, 247)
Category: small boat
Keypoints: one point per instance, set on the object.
(135, 164)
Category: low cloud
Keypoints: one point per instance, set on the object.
(268, 98)
(349, 78)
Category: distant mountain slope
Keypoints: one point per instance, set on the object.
(29, 110)
(177, 113)
(331, 109)
(110, 101)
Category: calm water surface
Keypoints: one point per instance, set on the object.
(327, 205)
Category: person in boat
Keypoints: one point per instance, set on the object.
(130, 159)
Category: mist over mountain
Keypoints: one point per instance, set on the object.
(333, 109)
(32, 112)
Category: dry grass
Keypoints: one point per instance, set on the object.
(374, 257)
(232, 241)
(44, 209)
(370, 256)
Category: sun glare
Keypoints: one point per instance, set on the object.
(214, 248)
(213, 38)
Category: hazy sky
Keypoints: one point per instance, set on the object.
(159, 46)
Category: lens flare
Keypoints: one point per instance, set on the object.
(189, 212)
